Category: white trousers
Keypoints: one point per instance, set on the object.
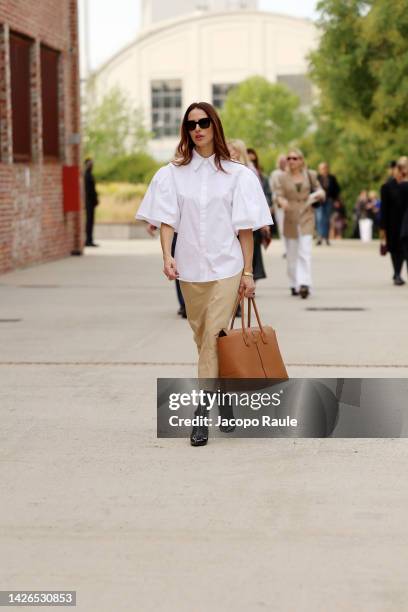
(280, 217)
(299, 260)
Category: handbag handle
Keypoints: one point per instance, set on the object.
(239, 301)
(245, 330)
(258, 318)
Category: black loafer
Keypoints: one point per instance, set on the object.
(182, 312)
(293, 291)
(199, 434)
(304, 292)
(398, 281)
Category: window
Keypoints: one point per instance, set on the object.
(220, 92)
(49, 98)
(20, 48)
(166, 108)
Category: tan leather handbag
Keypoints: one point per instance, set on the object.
(250, 352)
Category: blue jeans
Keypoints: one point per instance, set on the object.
(323, 214)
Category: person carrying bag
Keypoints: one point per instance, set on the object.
(214, 204)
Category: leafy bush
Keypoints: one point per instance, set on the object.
(135, 168)
(118, 202)
(122, 192)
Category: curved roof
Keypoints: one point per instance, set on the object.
(168, 24)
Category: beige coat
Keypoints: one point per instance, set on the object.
(299, 212)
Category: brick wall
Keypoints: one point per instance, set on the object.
(33, 225)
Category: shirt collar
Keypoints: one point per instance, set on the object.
(198, 160)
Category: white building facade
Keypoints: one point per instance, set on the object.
(200, 56)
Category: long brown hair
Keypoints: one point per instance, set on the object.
(184, 151)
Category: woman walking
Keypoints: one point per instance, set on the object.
(214, 204)
(296, 192)
(239, 153)
(254, 159)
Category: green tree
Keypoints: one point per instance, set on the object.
(263, 114)
(113, 128)
(361, 69)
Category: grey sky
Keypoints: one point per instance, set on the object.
(113, 24)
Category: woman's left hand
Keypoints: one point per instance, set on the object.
(247, 287)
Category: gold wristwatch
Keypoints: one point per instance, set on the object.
(247, 274)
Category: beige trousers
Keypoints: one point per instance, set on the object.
(209, 308)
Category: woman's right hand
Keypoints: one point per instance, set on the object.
(170, 267)
(246, 287)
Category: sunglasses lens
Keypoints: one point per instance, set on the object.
(203, 123)
(292, 158)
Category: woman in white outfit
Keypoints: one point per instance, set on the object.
(214, 204)
(296, 192)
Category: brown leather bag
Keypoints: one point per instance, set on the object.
(250, 352)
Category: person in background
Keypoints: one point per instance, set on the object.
(279, 214)
(254, 159)
(239, 153)
(91, 201)
(323, 213)
(391, 220)
(297, 191)
(360, 212)
(403, 167)
(373, 208)
(338, 222)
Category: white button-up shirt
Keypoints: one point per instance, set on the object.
(207, 208)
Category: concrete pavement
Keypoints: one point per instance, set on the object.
(92, 501)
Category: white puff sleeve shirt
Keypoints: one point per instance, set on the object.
(207, 208)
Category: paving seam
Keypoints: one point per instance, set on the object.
(190, 363)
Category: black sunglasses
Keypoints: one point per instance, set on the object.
(203, 123)
(292, 158)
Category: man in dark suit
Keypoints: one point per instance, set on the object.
(323, 213)
(391, 217)
(91, 201)
(404, 222)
